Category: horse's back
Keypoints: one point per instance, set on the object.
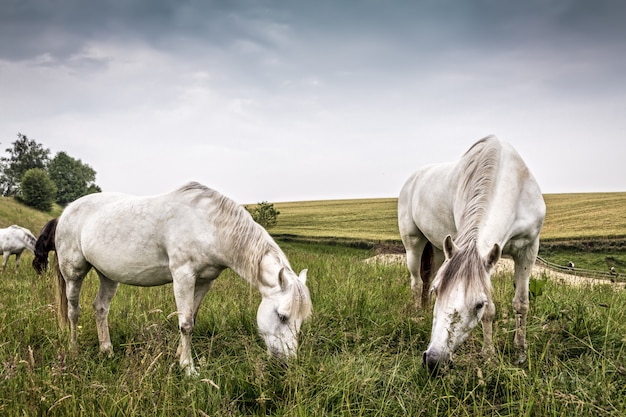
(434, 199)
(15, 239)
(134, 240)
(425, 203)
(518, 208)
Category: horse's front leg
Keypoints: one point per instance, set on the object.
(17, 260)
(184, 285)
(523, 268)
(487, 321)
(5, 259)
(101, 305)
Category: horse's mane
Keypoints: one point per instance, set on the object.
(479, 168)
(465, 264)
(247, 241)
(44, 244)
(301, 300)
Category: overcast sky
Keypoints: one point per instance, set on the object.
(315, 99)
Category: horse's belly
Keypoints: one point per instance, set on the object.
(137, 274)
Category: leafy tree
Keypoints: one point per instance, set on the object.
(73, 178)
(37, 189)
(24, 155)
(265, 214)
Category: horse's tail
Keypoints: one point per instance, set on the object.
(61, 294)
(43, 245)
(29, 240)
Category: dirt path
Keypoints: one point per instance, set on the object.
(506, 265)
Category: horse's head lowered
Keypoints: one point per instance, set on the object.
(463, 293)
(282, 311)
(44, 244)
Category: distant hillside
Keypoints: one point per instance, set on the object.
(585, 215)
(569, 216)
(12, 212)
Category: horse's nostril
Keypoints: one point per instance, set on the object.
(431, 362)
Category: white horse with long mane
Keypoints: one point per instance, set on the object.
(186, 237)
(13, 240)
(456, 220)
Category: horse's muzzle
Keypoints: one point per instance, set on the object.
(435, 362)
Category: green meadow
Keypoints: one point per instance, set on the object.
(360, 352)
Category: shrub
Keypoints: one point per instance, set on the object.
(264, 214)
(37, 189)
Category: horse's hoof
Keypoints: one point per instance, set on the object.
(191, 372)
(107, 351)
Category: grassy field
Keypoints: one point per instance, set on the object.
(591, 215)
(588, 229)
(360, 353)
(366, 219)
(12, 212)
(569, 216)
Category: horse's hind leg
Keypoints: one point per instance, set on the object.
(5, 259)
(432, 259)
(72, 289)
(199, 294)
(101, 305)
(487, 322)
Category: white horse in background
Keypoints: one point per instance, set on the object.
(186, 237)
(456, 220)
(13, 240)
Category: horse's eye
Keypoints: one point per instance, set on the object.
(283, 318)
(480, 305)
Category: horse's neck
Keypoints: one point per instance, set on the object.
(270, 268)
(494, 224)
(259, 263)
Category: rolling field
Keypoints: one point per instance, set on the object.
(367, 219)
(569, 216)
(592, 215)
(359, 354)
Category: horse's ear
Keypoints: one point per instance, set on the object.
(449, 247)
(302, 276)
(493, 257)
(283, 281)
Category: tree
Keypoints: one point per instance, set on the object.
(72, 178)
(37, 189)
(265, 214)
(24, 155)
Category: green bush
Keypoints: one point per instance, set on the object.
(37, 189)
(265, 214)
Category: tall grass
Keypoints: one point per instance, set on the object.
(360, 353)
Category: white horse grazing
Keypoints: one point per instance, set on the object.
(455, 221)
(13, 240)
(186, 237)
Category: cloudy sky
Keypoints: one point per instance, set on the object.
(325, 99)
